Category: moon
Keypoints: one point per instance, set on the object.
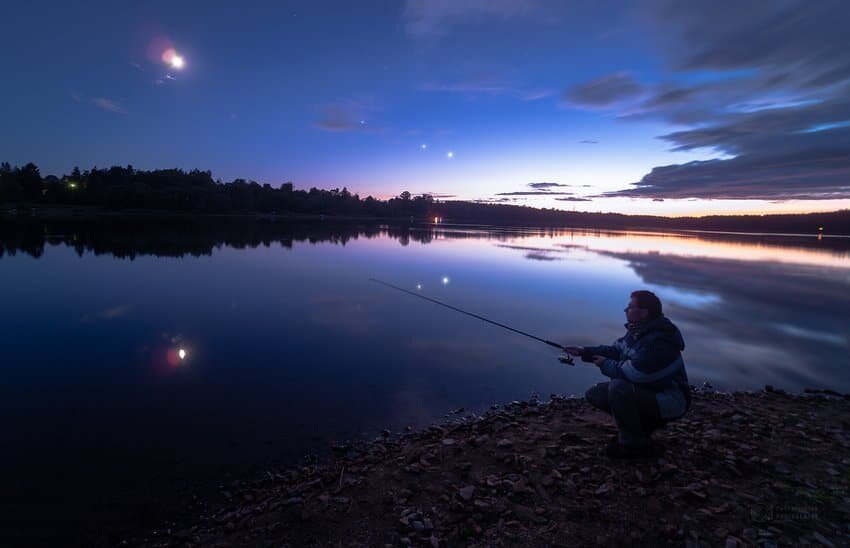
(173, 59)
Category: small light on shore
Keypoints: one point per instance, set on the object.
(72, 185)
(181, 354)
(418, 286)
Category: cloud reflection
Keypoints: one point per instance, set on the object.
(784, 320)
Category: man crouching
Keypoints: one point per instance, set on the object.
(649, 385)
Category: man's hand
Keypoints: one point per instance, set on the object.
(574, 350)
(599, 360)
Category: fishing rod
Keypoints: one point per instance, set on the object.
(567, 359)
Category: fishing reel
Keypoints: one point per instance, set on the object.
(566, 359)
(569, 359)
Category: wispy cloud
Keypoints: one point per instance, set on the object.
(489, 87)
(604, 91)
(494, 200)
(348, 116)
(108, 105)
(533, 193)
(112, 313)
(430, 18)
(542, 186)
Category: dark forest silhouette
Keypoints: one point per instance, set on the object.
(196, 192)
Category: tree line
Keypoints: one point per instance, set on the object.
(195, 191)
(120, 187)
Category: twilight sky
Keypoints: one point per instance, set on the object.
(638, 107)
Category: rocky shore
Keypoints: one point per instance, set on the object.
(763, 468)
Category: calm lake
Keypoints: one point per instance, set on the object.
(287, 345)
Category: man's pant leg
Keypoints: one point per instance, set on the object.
(634, 409)
(597, 396)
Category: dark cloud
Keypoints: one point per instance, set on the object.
(533, 193)
(347, 117)
(338, 118)
(588, 142)
(532, 248)
(772, 95)
(667, 95)
(535, 256)
(808, 174)
(537, 253)
(605, 91)
(541, 186)
(573, 199)
(777, 39)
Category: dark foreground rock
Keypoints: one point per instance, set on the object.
(741, 469)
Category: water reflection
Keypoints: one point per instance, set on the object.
(178, 237)
(285, 344)
(763, 309)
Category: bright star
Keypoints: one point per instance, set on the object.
(182, 354)
(177, 62)
(418, 286)
(423, 146)
(450, 155)
(445, 280)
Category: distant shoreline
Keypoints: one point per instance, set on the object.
(571, 220)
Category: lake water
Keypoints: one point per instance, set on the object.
(289, 345)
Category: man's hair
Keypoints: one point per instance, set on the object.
(649, 301)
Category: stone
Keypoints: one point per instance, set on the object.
(467, 492)
(823, 540)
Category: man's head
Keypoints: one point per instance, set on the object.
(643, 306)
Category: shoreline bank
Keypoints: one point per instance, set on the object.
(585, 220)
(763, 468)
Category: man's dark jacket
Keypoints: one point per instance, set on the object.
(648, 355)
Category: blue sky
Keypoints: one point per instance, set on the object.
(588, 95)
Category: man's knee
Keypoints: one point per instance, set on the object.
(618, 388)
(597, 395)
